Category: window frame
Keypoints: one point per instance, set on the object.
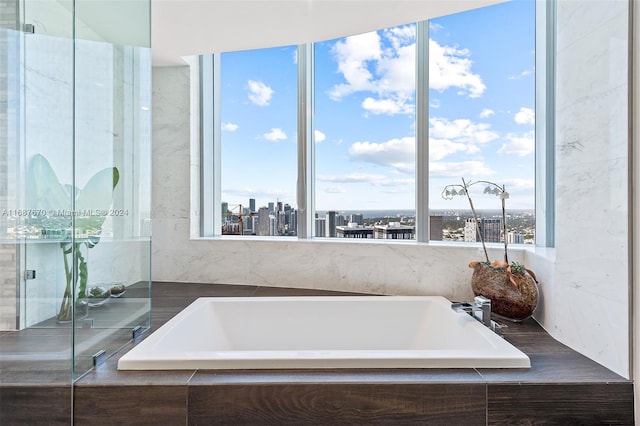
(210, 136)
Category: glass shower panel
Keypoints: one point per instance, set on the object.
(36, 146)
(112, 174)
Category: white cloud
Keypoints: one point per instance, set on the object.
(519, 185)
(257, 192)
(441, 148)
(318, 136)
(457, 169)
(446, 138)
(229, 127)
(397, 153)
(388, 73)
(352, 56)
(259, 93)
(461, 131)
(274, 135)
(486, 113)
(435, 27)
(525, 116)
(353, 178)
(451, 67)
(369, 178)
(338, 189)
(518, 144)
(522, 74)
(388, 106)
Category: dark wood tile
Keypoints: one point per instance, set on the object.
(338, 404)
(561, 404)
(166, 289)
(35, 405)
(130, 405)
(25, 373)
(529, 325)
(172, 302)
(108, 374)
(34, 346)
(567, 367)
(536, 343)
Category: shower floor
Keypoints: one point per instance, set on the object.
(562, 386)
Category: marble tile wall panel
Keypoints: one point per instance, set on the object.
(587, 307)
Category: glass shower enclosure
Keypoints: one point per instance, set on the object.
(75, 186)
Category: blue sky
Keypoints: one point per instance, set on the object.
(481, 114)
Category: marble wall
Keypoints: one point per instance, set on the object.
(586, 281)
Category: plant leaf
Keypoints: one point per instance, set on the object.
(44, 190)
(94, 200)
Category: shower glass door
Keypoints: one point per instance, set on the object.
(36, 128)
(112, 167)
(77, 186)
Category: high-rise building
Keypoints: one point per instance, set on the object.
(394, 231)
(247, 225)
(320, 227)
(357, 218)
(293, 223)
(330, 224)
(252, 204)
(354, 230)
(273, 223)
(225, 210)
(262, 227)
(470, 230)
(491, 230)
(341, 220)
(271, 207)
(515, 238)
(435, 228)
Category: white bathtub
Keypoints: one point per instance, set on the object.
(322, 332)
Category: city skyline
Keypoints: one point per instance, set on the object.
(280, 219)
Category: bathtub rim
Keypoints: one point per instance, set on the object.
(139, 359)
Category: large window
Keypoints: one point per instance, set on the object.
(481, 119)
(461, 85)
(258, 142)
(365, 135)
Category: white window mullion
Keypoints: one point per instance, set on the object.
(545, 123)
(422, 131)
(306, 149)
(210, 143)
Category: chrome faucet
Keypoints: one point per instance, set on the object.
(480, 309)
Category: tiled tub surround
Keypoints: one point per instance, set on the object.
(561, 387)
